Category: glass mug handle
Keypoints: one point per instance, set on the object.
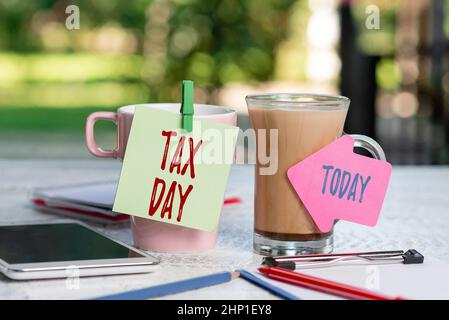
(90, 137)
(369, 145)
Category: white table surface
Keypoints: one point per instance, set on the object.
(415, 215)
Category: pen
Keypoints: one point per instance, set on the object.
(325, 260)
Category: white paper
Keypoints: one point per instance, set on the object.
(413, 281)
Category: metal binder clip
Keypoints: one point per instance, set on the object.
(325, 260)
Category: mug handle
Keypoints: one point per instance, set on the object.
(90, 137)
(369, 145)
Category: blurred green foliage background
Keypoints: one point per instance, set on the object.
(130, 52)
(127, 52)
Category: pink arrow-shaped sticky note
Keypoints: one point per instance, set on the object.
(335, 183)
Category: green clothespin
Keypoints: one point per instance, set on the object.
(187, 105)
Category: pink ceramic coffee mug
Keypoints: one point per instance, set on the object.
(148, 234)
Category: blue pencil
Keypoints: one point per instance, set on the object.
(173, 287)
(267, 286)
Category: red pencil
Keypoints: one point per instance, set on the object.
(322, 285)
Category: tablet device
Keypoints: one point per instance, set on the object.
(66, 249)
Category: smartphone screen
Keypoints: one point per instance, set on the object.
(56, 243)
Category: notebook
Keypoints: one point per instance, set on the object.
(415, 281)
(92, 201)
(89, 201)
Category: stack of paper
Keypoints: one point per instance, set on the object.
(412, 281)
(91, 201)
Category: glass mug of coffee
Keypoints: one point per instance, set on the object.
(149, 234)
(305, 123)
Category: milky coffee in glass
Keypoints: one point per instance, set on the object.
(305, 123)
